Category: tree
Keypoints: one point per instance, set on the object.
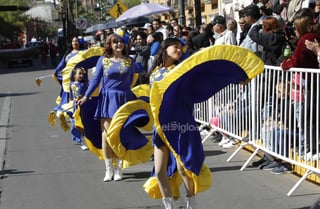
(12, 22)
(131, 3)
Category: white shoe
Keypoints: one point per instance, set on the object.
(168, 203)
(84, 147)
(229, 145)
(204, 132)
(314, 157)
(191, 203)
(117, 174)
(224, 140)
(307, 157)
(109, 174)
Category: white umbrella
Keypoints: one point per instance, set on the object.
(96, 27)
(143, 9)
(103, 26)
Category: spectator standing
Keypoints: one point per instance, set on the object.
(306, 30)
(271, 38)
(174, 22)
(53, 53)
(148, 29)
(244, 27)
(204, 38)
(142, 54)
(251, 17)
(170, 31)
(44, 53)
(157, 26)
(221, 34)
(153, 40)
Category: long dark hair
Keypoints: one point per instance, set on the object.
(70, 48)
(162, 55)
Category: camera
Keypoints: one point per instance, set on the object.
(289, 31)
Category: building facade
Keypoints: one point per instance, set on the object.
(209, 9)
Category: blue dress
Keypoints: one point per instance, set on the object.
(115, 80)
(158, 75)
(77, 90)
(64, 96)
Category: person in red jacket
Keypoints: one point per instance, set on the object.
(301, 83)
(305, 29)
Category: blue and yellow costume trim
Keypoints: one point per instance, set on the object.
(125, 136)
(84, 117)
(172, 99)
(86, 59)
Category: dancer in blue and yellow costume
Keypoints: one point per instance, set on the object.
(63, 97)
(114, 73)
(84, 119)
(78, 86)
(175, 90)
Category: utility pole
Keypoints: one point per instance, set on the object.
(182, 13)
(197, 8)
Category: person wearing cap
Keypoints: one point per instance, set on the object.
(252, 15)
(148, 29)
(221, 34)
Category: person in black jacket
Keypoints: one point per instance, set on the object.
(204, 38)
(272, 38)
(142, 53)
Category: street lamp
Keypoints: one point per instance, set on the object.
(197, 8)
(65, 8)
(64, 19)
(61, 6)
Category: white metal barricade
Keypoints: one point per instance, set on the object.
(277, 112)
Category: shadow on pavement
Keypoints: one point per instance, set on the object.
(136, 175)
(14, 172)
(213, 152)
(17, 94)
(225, 168)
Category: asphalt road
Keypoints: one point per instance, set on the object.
(44, 169)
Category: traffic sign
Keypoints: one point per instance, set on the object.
(118, 9)
(81, 23)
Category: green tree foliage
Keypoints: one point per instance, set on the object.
(11, 22)
(131, 3)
